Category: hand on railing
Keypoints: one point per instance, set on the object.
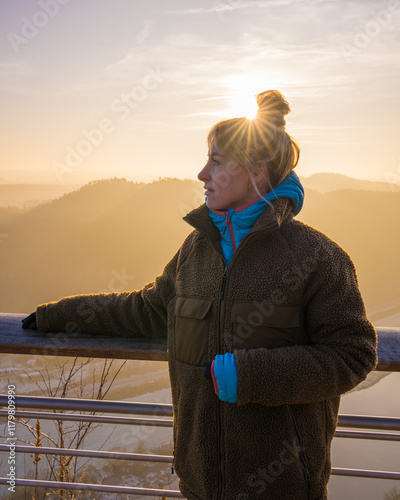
(30, 322)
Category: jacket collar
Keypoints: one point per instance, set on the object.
(268, 221)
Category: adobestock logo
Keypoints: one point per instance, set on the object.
(376, 24)
(31, 27)
(221, 8)
(92, 138)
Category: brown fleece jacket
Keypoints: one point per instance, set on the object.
(291, 312)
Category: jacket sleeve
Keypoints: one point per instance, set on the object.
(136, 313)
(341, 351)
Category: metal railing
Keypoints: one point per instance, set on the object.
(89, 405)
(388, 428)
(165, 410)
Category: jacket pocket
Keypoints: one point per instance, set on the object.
(301, 451)
(192, 325)
(263, 324)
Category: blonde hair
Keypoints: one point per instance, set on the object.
(262, 139)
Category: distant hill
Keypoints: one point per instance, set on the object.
(325, 182)
(32, 194)
(107, 236)
(115, 235)
(29, 195)
(365, 224)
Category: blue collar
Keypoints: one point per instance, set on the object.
(234, 223)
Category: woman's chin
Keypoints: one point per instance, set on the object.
(213, 204)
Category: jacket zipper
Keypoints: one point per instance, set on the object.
(220, 435)
(219, 351)
(303, 461)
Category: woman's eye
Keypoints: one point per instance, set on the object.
(213, 160)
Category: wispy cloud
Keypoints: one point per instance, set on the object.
(230, 6)
(185, 60)
(146, 31)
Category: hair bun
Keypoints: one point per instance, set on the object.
(272, 107)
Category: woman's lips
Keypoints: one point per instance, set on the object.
(207, 192)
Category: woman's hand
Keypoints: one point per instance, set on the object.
(223, 372)
(30, 322)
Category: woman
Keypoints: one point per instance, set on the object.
(266, 307)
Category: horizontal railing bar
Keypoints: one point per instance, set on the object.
(369, 422)
(78, 417)
(173, 493)
(95, 487)
(152, 409)
(169, 423)
(101, 406)
(375, 474)
(15, 340)
(380, 436)
(43, 450)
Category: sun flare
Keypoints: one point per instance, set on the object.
(241, 91)
(243, 105)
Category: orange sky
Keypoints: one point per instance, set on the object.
(96, 89)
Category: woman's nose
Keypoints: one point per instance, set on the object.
(203, 175)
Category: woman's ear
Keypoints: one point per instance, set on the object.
(260, 173)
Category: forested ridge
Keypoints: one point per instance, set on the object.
(114, 235)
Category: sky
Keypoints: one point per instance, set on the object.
(93, 89)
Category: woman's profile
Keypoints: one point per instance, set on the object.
(265, 322)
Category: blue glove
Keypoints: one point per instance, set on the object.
(225, 375)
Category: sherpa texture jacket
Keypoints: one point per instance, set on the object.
(290, 310)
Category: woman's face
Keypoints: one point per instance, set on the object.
(226, 183)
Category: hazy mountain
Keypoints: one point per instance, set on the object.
(109, 235)
(325, 181)
(29, 195)
(114, 235)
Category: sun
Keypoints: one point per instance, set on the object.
(243, 104)
(242, 89)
